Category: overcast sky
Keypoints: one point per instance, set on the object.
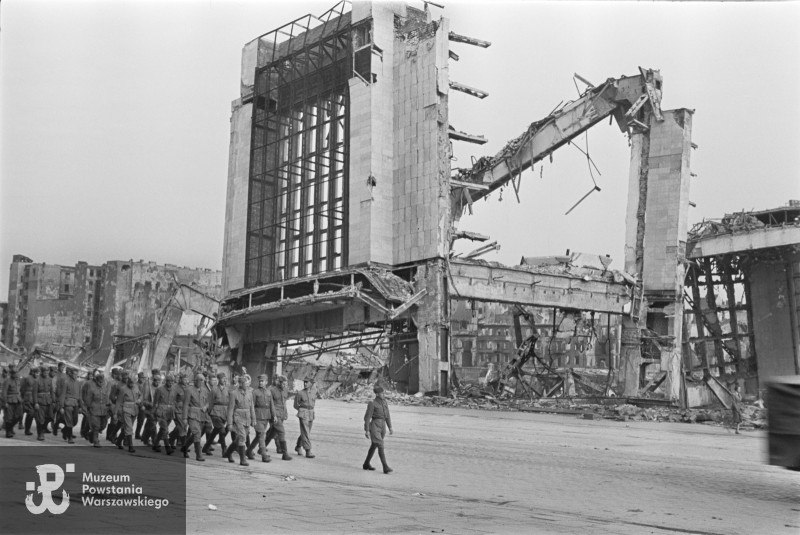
(115, 117)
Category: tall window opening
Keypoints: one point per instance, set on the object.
(297, 217)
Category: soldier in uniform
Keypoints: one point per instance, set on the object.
(114, 421)
(178, 435)
(56, 373)
(304, 402)
(241, 415)
(95, 404)
(85, 424)
(195, 414)
(141, 384)
(279, 415)
(43, 395)
(262, 404)
(148, 390)
(13, 401)
(218, 409)
(376, 421)
(28, 400)
(68, 394)
(164, 412)
(127, 406)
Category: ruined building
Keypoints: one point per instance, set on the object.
(85, 311)
(743, 296)
(342, 203)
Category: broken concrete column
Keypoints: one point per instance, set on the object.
(656, 228)
(430, 319)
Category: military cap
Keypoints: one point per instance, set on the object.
(281, 378)
(221, 376)
(378, 389)
(262, 377)
(141, 374)
(199, 375)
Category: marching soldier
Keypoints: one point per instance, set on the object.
(304, 404)
(262, 404)
(195, 414)
(95, 403)
(84, 410)
(164, 411)
(68, 394)
(28, 400)
(54, 375)
(127, 405)
(13, 401)
(241, 415)
(43, 395)
(376, 421)
(279, 415)
(218, 409)
(178, 435)
(147, 432)
(141, 384)
(114, 421)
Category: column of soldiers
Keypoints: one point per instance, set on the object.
(171, 412)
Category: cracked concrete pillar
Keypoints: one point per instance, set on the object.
(656, 228)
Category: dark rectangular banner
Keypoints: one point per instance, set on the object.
(61, 490)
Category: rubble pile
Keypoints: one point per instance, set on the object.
(754, 415)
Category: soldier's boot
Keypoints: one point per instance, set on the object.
(95, 439)
(298, 449)
(40, 429)
(222, 441)
(251, 446)
(129, 440)
(309, 455)
(19, 426)
(284, 449)
(229, 452)
(119, 440)
(156, 439)
(242, 456)
(198, 455)
(173, 436)
(55, 428)
(187, 442)
(28, 422)
(9, 429)
(70, 436)
(139, 429)
(370, 453)
(167, 446)
(209, 440)
(111, 431)
(386, 469)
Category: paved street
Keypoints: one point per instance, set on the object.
(466, 471)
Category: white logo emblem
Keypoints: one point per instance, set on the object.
(46, 488)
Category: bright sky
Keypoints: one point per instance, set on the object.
(115, 117)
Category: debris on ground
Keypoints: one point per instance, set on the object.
(754, 415)
(212, 507)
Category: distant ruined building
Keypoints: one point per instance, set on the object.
(81, 312)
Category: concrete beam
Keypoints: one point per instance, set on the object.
(509, 285)
(763, 238)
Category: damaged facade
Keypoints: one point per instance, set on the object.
(85, 311)
(340, 188)
(742, 317)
